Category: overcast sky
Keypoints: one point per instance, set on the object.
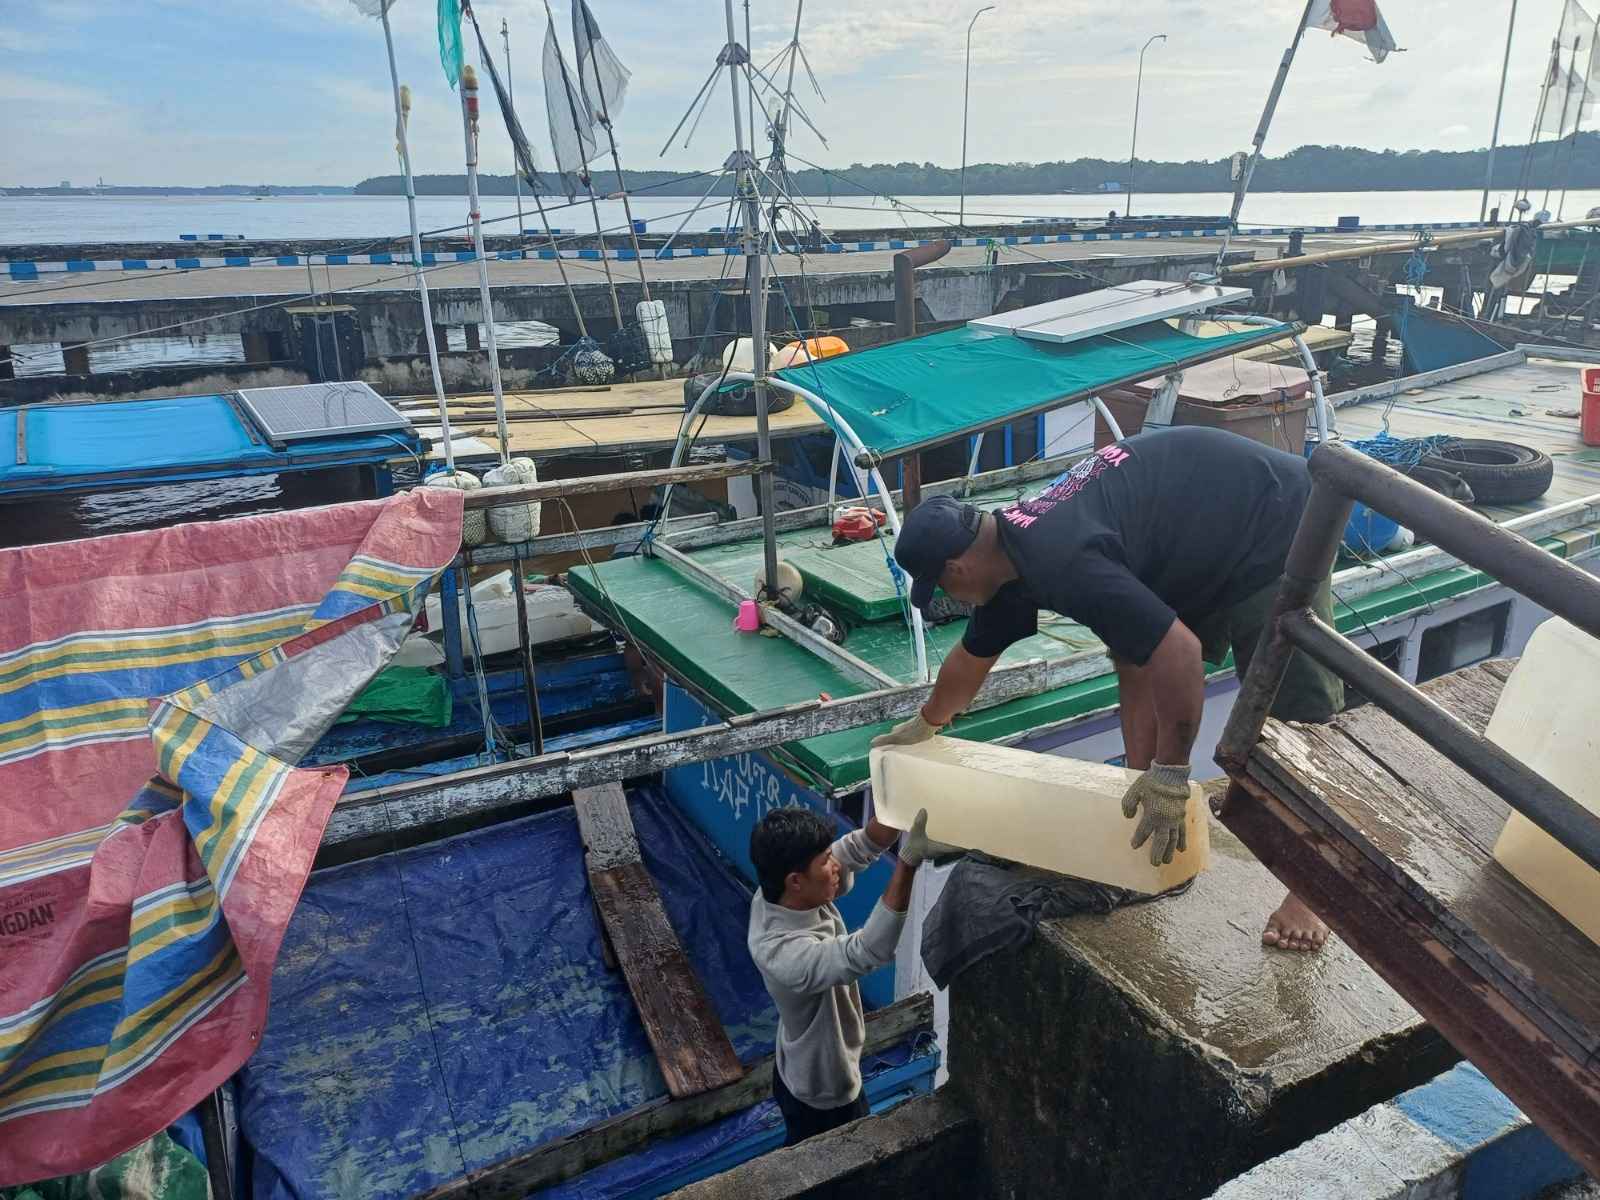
(296, 91)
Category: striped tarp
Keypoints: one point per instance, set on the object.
(156, 691)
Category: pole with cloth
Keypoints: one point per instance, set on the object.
(602, 82)
(526, 166)
(1584, 104)
(1242, 186)
(582, 147)
(516, 176)
(1566, 104)
(469, 127)
(1360, 22)
(402, 111)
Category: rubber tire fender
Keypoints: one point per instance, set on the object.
(1497, 472)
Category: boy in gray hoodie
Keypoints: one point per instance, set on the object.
(810, 962)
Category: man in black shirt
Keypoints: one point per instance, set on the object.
(1169, 546)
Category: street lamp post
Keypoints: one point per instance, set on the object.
(966, 90)
(1137, 88)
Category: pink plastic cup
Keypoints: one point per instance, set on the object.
(748, 619)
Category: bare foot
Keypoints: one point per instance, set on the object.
(1294, 927)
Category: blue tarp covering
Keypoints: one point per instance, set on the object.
(185, 437)
(450, 1004)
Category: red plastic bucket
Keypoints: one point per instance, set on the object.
(1589, 426)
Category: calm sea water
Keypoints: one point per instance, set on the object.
(30, 219)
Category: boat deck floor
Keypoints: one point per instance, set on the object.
(623, 418)
(1514, 404)
(1392, 844)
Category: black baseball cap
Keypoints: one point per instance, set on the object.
(934, 532)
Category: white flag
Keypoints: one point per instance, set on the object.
(372, 8)
(1358, 19)
(571, 128)
(601, 75)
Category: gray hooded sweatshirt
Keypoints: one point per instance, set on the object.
(810, 963)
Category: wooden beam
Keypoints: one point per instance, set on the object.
(528, 493)
(580, 539)
(515, 1177)
(1393, 387)
(822, 514)
(427, 802)
(834, 655)
(691, 1046)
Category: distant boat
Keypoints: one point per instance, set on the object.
(263, 192)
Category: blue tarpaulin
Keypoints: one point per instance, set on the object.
(436, 1010)
(153, 441)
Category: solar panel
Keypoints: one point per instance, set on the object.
(1108, 310)
(315, 410)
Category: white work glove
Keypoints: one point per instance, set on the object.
(916, 846)
(1164, 792)
(907, 733)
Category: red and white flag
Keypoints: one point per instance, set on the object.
(1358, 19)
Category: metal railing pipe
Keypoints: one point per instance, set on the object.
(1477, 541)
(1524, 789)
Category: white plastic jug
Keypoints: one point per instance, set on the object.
(1061, 814)
(1549, 717)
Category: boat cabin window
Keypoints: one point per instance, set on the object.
(1462, 642)
(1391, 654)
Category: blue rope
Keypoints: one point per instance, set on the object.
(1401, 453)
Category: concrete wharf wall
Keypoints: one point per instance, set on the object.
(389, 318)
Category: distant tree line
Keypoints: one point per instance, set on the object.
(1570, 162)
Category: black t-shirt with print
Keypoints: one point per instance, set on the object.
(1178, 522)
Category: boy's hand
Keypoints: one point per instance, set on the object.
(918, 846)
(882, 836)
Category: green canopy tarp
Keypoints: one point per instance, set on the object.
(914, 393)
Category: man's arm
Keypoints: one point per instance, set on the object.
(1176, 679)
(1172, 683)
(1136, 709)
(960, 677)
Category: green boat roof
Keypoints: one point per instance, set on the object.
(924, 390)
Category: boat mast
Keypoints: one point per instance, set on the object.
(580, 12)
(469, 126)
(516, 167)
(1566, 100)
(402, 106)
(585, 178)
(1261, 135)
(1499, 104)
(743, 164)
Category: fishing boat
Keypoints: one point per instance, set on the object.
(526, 974)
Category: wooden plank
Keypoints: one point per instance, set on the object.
(605, 826)
(1392, 845)
(529, 493)
(429, 802)
(691, 1046)
(515, 1177)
